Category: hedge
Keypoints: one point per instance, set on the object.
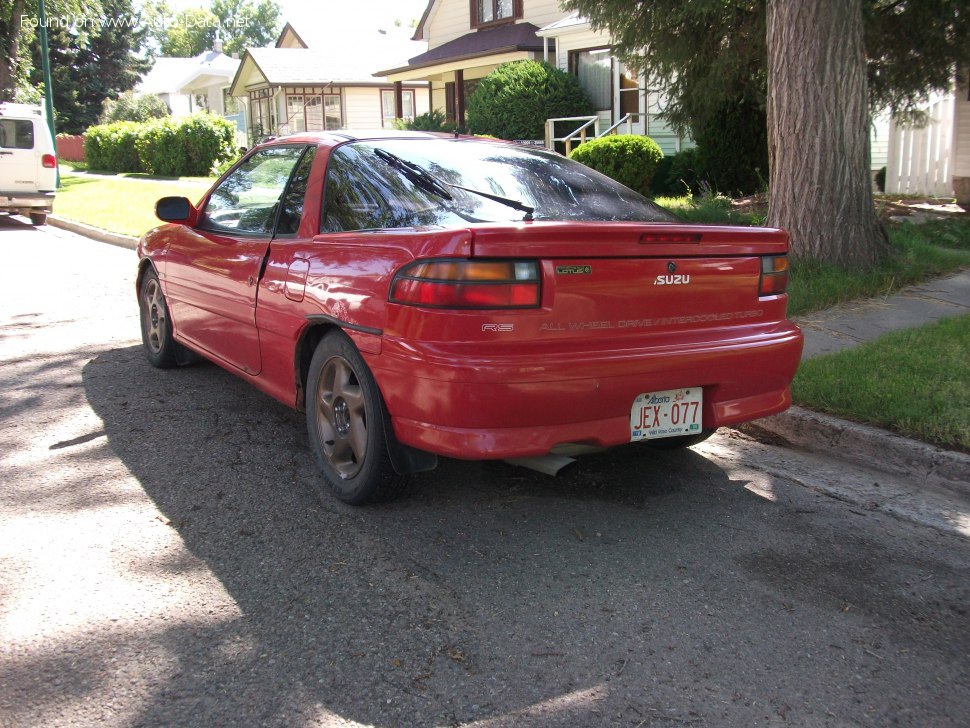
(190, 146)
(111, 147)
(628, 158)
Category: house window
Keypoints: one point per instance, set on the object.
(594, 68)
(387, 106)
(230, 104)
(296, 113)
(631, 91)
(262, 114)
(333, 118)
(313, 112)
(489, 12)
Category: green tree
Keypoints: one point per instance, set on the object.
(240, 24)
(706, 53)
(189, 33)
(247, 23)
(18, 23)
(130, 106)
(92, 63)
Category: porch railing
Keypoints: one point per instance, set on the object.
(629, 120)
(580, 132)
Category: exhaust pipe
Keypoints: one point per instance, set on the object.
(545, 464)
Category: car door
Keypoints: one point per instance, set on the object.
(212, 271)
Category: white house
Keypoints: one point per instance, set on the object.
(201, 83)
(324, 81)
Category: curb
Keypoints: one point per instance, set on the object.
(867, 446)
(89, 231)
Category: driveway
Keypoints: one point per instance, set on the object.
(163, 561)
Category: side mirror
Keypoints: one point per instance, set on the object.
(177, 210)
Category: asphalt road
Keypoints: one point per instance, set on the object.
(163, 561)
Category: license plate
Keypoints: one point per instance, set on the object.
(666, 414)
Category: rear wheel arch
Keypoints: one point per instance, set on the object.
(309, 339)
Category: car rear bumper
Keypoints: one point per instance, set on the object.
(27, 200)
(455, 402)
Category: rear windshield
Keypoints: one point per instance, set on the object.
(16, 134)
(394, 183)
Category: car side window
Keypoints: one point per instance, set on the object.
(248, 199)
(291, 211)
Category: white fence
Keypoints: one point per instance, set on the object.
(921, 159)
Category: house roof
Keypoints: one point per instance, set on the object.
(493, 41)
(339, 60)
(165, 76)
(573, 21)
(420, 32)
(289, 30)
(212, 67)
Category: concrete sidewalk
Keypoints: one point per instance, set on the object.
(854, 323)
(850, 325)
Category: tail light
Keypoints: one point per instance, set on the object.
(468, 284)
(48, 161)
(774, 275)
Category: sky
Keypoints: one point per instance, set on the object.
(352, 13)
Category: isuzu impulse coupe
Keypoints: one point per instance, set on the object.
(419, 295)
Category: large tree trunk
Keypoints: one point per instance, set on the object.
(818, 132)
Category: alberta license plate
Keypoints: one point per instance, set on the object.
(666, 414)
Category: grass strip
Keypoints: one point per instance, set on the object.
(915, 382)
(119, 204)
(918, 252)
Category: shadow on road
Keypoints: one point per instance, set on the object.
(637, 587)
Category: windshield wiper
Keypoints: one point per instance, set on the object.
(427, 181)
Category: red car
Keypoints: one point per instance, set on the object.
(420, 295)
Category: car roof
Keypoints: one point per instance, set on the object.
(20, 111)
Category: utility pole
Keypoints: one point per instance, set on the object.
(46, 64)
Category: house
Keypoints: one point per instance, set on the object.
(319, 82)
(187, 85)
(207, 86)
(468, 39)
(466, 43)
(201, 83)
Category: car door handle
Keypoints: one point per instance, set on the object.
(252, 281)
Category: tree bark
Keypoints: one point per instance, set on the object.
(818, 132)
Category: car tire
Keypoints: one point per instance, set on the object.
(347, 425)
(38, 218)
(156, 326)
(678, 443)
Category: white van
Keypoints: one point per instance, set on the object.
(28, 162)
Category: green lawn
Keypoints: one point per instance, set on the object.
(120, 204)
(915, 382)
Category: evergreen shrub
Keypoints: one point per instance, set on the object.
(629, 159)
(514, 100)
